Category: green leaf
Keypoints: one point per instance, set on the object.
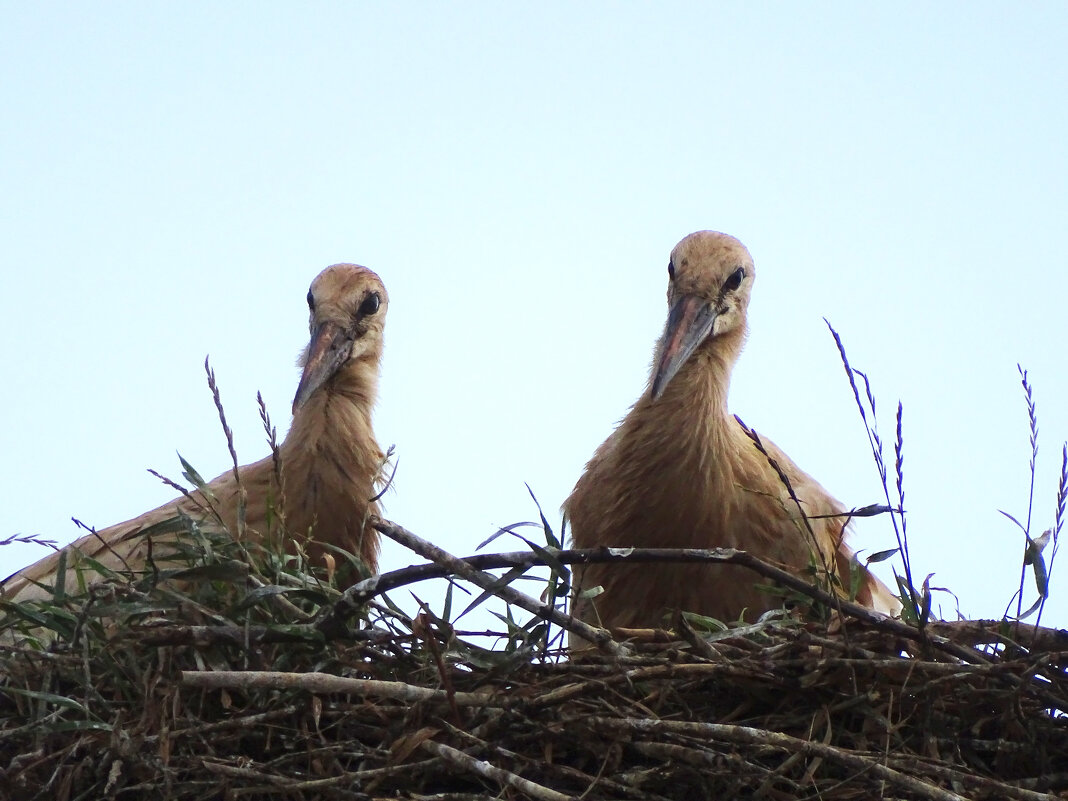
(256, 595)
(121, 611)
(219, 571)
(881, 556)
(59, 590)
(1041, 576)
(447, 611)
(172, 525)
(1014, 520)
(702, 623)
(48, 698)
(42, 615)
(871, 510)
(191, 475)
(910, 611)
(80, 725)
(105, 572)
(925, 613)
(1031, 609)
(502, 581)
(392, 605)
(856, 576)
(504, 530)
(549, 556)
(550, 538)
(1036, 546)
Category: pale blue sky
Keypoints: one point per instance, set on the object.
(174, 175)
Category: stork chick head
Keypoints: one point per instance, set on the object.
(710, 276)
(347, 307)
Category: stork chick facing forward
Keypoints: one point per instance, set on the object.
(329, 459)
(680, 471)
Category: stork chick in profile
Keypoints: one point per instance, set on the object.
(680, 471)
(329, 460)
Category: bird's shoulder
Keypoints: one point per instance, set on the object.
(817, 499)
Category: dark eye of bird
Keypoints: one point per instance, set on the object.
(311, 301)
(671, 270)
(369, 305)
(735, 280)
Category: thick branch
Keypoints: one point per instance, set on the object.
(486, 581)
(468, 568)
(990, 632)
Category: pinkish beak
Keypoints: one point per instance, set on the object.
(330, 347)
(689, 323)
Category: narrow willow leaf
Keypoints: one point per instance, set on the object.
(550, 538)
(1013, 519)
(191, 474)
(48, 698)
(502, 581)
(504, 530)
(871, 510)
(881, 556)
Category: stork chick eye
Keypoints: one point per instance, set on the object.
(370, 304)
(311, 301)
(735, 280)
(671, 271)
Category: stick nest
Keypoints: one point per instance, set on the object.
(245, 678)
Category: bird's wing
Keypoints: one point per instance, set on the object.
(119, 548)
(832, 528)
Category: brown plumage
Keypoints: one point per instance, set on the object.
(679, 471)
(329, 459)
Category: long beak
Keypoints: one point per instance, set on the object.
(330, 347)
(689, 322)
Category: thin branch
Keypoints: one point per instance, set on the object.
(499, 775)
(599, 637)
(749, 735)
(326, 683)
(470, 569)
(984, 632)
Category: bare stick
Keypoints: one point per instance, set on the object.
(982, 632)
(599, 637)
(749, 735)
(471, 567)
(326, 683)
(499, 775)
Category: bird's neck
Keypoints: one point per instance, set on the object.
(333, 460)
(339, 408)
(689, 424)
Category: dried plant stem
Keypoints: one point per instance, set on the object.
(1032, 420)
(917, 604)
(899, 476)
(242, 495)
(1058, 524)
(828, 570)
(102, 541)
(271, 431)
(29, 539)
